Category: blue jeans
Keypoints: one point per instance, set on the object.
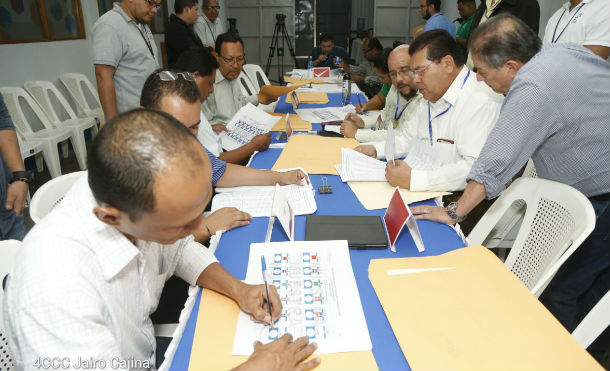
(583, 279)
(16, 231)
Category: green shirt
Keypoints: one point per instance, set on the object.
(464, 30)
(385, 89)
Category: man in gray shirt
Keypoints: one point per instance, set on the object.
(124, 54)
(556, 112)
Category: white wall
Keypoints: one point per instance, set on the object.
(47, 60)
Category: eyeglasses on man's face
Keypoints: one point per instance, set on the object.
(401, 71)
(210, 8)
(234, 60)
(419, 71)
(173, 76)
(153, 4)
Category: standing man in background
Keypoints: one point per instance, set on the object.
(208, 25)
(430, 10)
(180, 35)
(13, 180)
(582, 22)
(466, 8)
(124, 54)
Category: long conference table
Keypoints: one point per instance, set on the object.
(233, 251)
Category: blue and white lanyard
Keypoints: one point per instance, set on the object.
(553, 39)
(430, 118)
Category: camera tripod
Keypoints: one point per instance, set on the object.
(279, 33)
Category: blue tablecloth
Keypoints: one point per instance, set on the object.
(233, 250)
(334, 100)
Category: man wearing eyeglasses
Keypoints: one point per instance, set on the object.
(227, 97)
(364, 74)
(179, 35)
(124, 54)
(208, 26)
(452, 123)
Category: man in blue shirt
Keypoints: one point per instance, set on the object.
(13, 180)
(431, 11)
(323, 54)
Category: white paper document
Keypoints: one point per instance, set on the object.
(390, 143)
(257, 200)
(283, 212)
(358, 167)
(247, 123)
(422, 156)
(320, 299)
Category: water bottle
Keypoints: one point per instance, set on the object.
(310, 67)
(347, 88)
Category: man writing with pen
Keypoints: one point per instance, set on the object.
(451, 123)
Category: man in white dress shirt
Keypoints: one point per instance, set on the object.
(202, 64)
(208, 25)
(90, 273)
(227, 97)
(453, 121)
(584, 22)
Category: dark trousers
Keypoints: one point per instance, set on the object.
(584, 279)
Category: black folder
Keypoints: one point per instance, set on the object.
(359, 231)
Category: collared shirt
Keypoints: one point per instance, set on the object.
(439, 21)
(337, 51)
(388, 114)
(463, 30)
(225, 101)
(566, 132)
(366, 69)
(457, 135)
(207, 30)
(179, 37)
(587, 24)
(207, 137)
(130, 48)
(79, 289)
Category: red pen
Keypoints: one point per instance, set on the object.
(445, 140)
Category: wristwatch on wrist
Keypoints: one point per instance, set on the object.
(451, 211)
(22, 176)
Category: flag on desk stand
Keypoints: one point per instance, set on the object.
(295, 100)
(390, 140)
(281, 210)
(396, 217)
(288, 127)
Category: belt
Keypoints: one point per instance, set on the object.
(602, 197)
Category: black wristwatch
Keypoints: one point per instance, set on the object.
(22, 176)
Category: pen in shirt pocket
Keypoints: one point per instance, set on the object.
(443, 140)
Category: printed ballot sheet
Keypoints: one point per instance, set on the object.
(247, 123)
(257, 200)
(318, 291)
(356, 166)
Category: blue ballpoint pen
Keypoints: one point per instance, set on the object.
(264, 265)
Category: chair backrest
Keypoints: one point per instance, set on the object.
(51, 100)
(594, 323)
(556, 221)
(50, 194)
(8, 252)
(256, 75)
(530, 170)
(246, 84)
(17, 100)
(82, 91)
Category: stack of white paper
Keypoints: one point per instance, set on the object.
(247, 123)
(358, 167)
(320, 299)
(258, 200)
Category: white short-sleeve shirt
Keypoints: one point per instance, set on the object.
(587, 24)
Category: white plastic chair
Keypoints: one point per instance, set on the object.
(505, 231)
(246, 85)
(51, 193)
(84, 95)
(45, 133)
(46, 94)
(8, 252)
(32, 148)
(594, 323)
(557, 220)
(256, 75)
